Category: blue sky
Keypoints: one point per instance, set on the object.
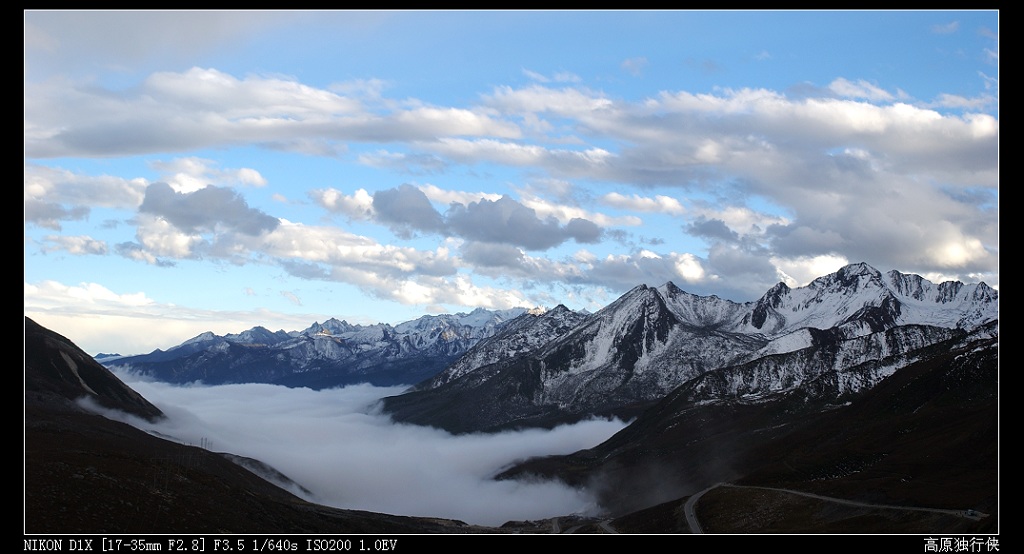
(193, 171)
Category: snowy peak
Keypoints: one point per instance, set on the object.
(258, 335)
(709, 312)
(767, 305)
(201, 337)
(521, 336)
(859, 295)
(841, 333)
(918, 288)
(620, 334)
(330, 327)
(851, 279)
(326, 354)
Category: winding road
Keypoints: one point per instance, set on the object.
(689, 509)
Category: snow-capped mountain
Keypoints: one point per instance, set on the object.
(654, 339)
(520, 336)
(327, 354)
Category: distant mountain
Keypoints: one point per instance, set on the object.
(652, 340)
(328, 354)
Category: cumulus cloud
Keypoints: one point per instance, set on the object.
(792, 151)
(358, 205)
(158, 237)
(478, 217)
(192, 174)
(54, 195)
(567, 213)
(447, 197)
(853, 167)
(500, 256)
(509, 222)
(407, 208)
(344, 250)
(50, 215)
(714, 229)
(645, 266)
(388, 272)
(205, 209)
(798, 271)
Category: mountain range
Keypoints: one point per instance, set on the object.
(878, 393)
(324, 355)
(842, 333)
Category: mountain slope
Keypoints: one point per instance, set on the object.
(85, 473)
(927, 436)
(520, 336)
(652, 340)
(58, 372)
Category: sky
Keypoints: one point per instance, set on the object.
(336, 446)
(217, 170)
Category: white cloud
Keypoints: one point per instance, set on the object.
(98, 319)
(742, 220)
(65, 187)
(332, 443)
(358, 205)
(657, 204)
(567, 102)
(558, 77)
(191, 174)
(798, 272)
(960, 102)
(337, 247)
(447, 197)
(78, 245)
(162, 239)
(860, 89)
(204, 107)
(951, 249)
(856, 167)
(558, 161)
(566, 213)
(946, 28)
(689, 268)
(634, 66)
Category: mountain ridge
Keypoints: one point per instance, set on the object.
(329, 354)
(651, 340)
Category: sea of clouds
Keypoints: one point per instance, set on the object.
(337, 445)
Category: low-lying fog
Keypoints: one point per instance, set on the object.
(333, 443)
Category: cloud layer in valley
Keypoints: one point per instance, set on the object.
(332, 443)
